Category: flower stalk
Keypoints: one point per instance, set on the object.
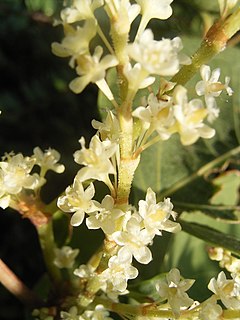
(13, 284)
(214, 42)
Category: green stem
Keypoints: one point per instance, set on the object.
(200, 172)
(148, 311)
(46, 238)
(214, 42)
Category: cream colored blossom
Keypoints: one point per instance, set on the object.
(119, 271)
(189, 117)
(76, 41)
(96, 159)
(173, 290)
(15, 174)
(122, 13)
(99, 313)
(156, 215)
(211, 87)
(65, 257)
(48, 160)
(134, 240)
(159, 9)
(137, 77)
(158, 115)
(157, 57)
(227, 290)
(210, 310)
(80, 10)
(109, 128)
(225, 6)
(105, 216)
(91, 69)
(78, 201)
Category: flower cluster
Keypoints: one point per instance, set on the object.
(16, 176)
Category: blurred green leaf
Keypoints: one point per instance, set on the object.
(228, 184)
(212, 236)
(48, 7)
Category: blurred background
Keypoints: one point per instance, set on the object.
(38, 109)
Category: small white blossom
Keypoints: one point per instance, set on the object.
(137, 77)
(80, 10)
(99, 313)
(119, 271)
(15, 176)
(48, 160)
(227, 290)
(211, 87)
(225, 6)
(157, 57)
(153, 9)
(122, 12)
(91, 69)
(77, 200)
(225, 258)
(210, 310)
(134, 240)
(109, 128)
(84, 271)
(72, 314)
(173, 289)
(189, 116)
(96, 159)
(76, 41)
(65, 257)
(158, 115)
(105, 217)
(156, 215)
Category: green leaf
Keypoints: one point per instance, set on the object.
(229, 214)
(212, 236)
(228, 184)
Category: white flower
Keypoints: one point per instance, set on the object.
(65, 257)
(96, 159)
(72, 314)
(159, 9)
(92, 69)
(75, 42)
(158, 115)
(118, 272)
(137, 77)
(173, 289)
(109, 128)
(99, 313)
(80, 10)
(211, 87)
(105, 217)
(77, 200)
(225, 6)
(48, 160)
(84, 271)
(15, 174)
(134, 240)
(189, 116)
(156, 215)
(122, 13)
(227, 290)
(210, 310)
(157, 57)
